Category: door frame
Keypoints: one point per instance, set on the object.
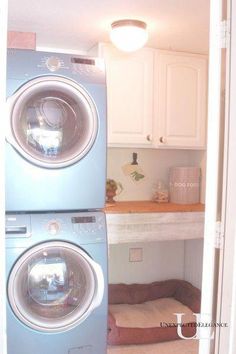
(227, 312)
(221, 263)
(213, 190)
(3, 41)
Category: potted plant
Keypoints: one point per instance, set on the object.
(113, 188)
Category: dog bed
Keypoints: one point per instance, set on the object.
(138, 313)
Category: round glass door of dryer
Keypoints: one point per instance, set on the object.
(54, 286)
(53, 121)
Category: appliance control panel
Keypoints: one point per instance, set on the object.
(78, 67)
(82, 227)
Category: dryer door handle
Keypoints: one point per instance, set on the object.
(16, 230)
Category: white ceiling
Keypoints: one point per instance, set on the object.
(77, 25)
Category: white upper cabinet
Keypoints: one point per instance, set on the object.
(180, 100)
(155, 98)
(129, 96)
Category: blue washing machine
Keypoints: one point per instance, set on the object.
(56, 283)
(56, 132)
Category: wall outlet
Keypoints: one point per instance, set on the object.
(135, 255)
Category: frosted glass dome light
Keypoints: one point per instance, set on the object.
(129, 35)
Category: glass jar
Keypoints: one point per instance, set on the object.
(160, 192)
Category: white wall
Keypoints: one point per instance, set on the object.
(193, 253)
(155, 164)
(161, 261)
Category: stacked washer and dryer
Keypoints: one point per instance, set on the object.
(56, 245)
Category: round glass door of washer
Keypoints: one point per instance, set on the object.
(54, 286)
(53, 121)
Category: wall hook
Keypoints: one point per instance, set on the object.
(135, 157)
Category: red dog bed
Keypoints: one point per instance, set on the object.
(177, 293)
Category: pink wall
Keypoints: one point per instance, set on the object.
(21, 40)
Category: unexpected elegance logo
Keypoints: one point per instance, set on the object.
(199, 325)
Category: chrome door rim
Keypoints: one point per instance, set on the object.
(67, 86)
(93, 300)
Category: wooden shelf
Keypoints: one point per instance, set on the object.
(128, 207)
(145, 221)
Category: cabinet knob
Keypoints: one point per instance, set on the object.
(148, 137)
(162, 140)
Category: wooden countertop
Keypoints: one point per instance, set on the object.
(150, 207)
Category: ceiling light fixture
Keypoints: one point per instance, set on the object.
(129, 35)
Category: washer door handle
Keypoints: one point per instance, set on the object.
(100, 286)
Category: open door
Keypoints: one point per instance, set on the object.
(216, 176)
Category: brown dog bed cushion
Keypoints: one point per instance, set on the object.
(174, 347)
(137, 310)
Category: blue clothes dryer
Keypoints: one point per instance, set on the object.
(56, 283)
(56, 132)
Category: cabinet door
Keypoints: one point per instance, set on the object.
(130, 96)
(180, 99)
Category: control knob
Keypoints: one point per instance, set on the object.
(53, 63)
(53, 227)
